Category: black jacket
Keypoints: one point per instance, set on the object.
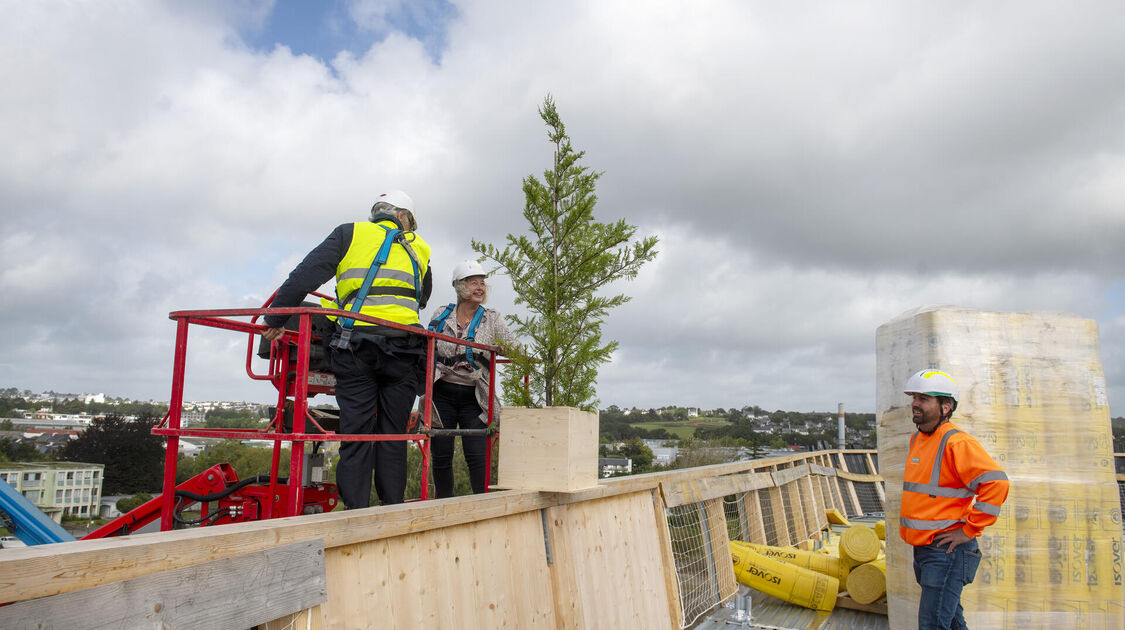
(319, 266)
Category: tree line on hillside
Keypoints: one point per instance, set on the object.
(10, 406)
(748, 426)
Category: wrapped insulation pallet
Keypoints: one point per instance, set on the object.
(1034, 394)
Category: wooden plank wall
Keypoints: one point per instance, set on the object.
(594, 558)
(481, 575)
(608, 569)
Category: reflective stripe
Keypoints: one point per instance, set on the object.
(358, 273)
(992, 475)
(388, 300)
(927, 525)
(935, 474)
(987, 508)
(936, 491)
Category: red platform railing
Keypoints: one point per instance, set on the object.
(295, 389)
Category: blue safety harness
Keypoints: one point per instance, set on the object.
(394, 235)
(439, 321)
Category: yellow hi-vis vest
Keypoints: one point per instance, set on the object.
(395, 291)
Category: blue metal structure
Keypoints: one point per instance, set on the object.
(26, 521)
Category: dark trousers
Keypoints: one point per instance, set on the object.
(457, 405)
(942, 575)
(375, 391)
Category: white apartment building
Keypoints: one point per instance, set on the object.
(57, 488)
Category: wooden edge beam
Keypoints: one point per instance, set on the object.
(817, 469)
(859, 477)
(697, 490)
(782, 477)
(238, 592)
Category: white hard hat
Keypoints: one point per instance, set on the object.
(466, 269)
(932, 383)
(396, 198)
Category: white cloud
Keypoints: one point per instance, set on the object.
(813, 172)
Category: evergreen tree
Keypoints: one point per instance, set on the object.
(641, 455)
(133, 457)
(557, 273)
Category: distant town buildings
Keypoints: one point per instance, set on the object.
(609, 466)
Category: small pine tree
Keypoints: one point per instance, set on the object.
(557, 273)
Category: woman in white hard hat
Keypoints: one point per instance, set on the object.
(461, 375)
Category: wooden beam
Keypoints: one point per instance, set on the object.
(850, 476)
(780, 526)
(815, 518)
(695, 490)
(757, 533)
(236, 593)
(817, 469)
(668, 559)
(720, 549)
(879, 607)
(796, 514)
(782, 477)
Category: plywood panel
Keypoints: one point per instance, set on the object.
(490, 574)
(610, 559)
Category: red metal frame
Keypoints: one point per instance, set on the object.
(288, 497)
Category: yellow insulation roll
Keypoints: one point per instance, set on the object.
(836, 517)
(868, 582)
(881, 530)
(859, 544)
(811, 560)
(784, 581)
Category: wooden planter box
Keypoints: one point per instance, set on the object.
(553, 449)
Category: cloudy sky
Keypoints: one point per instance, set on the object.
(812, 169)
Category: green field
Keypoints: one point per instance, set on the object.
(684, 429)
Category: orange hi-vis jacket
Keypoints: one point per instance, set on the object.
(944, 471)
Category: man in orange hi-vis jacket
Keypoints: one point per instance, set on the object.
(951, 490)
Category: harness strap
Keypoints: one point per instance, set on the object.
(345, 337)
(438, 323)
(472, 336)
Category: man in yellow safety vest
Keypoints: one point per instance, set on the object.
(382, 269)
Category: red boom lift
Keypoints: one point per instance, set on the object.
(297, 368)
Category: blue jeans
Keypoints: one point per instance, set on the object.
(942, 576)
